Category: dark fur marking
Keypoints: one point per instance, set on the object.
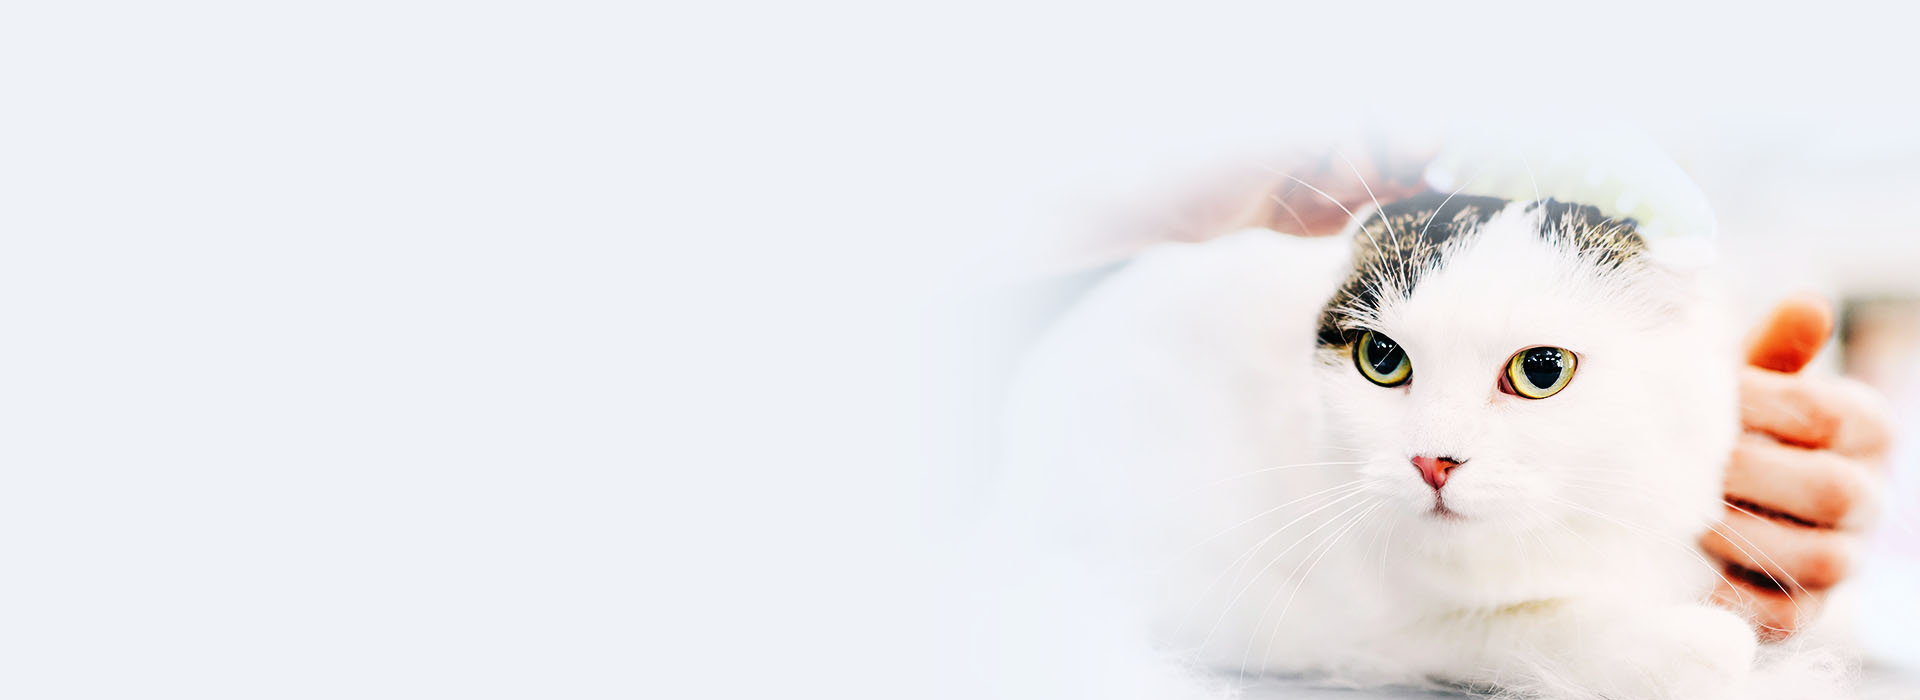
(1604, 240)
(1401, 241)
(1405, 240)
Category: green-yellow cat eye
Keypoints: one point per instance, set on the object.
(1381, 360)
(1537, 373)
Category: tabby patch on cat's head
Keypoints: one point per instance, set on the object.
(1400, 243)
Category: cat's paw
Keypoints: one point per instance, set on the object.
(1687, 652)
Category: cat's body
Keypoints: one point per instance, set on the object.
(1198, 426)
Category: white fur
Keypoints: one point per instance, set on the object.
(1180, 430)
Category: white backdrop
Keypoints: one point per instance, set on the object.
(592, 349)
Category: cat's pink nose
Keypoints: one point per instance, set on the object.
(1434, 469)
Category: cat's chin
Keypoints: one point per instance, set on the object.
(1442, 511)
(1469, 524)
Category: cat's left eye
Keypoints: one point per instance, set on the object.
(1381, 360)
(1537, 373)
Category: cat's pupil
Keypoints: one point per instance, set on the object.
(1385, 355)
(1543, 366)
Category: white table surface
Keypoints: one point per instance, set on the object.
(1875, 684)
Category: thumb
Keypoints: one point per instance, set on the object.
(1792, 334)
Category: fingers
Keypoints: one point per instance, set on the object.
(1792, 335)
(1774, 614)
(1803, 466)
(1796, 558)
(1819, 487)
(1817, 412)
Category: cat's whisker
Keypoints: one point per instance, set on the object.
(1237, 564)
(1650, 536)
(1693, 551)
(1378, 208)
(1520, 549)
(1280, 199)
(1537, 539)
(1535, 182)
(1558, 523)
(1438, 209)
(1324, 550)
(1313, 554)
(1757, 549)
(1235, 600)
(1351, 217)
(1728, 533)
(1355, 485)
(1263, 470)
(1385, 548)
(1376, 538)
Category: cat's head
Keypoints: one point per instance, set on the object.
(1503, 365)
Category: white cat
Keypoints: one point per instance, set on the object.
(1470, 442)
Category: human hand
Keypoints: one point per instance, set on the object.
(1306, 189)
(1801, 483)
(1314, 193)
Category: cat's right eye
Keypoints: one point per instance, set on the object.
(1381, 360)
(1537, 373)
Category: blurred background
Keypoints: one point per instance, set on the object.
(596, 349)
